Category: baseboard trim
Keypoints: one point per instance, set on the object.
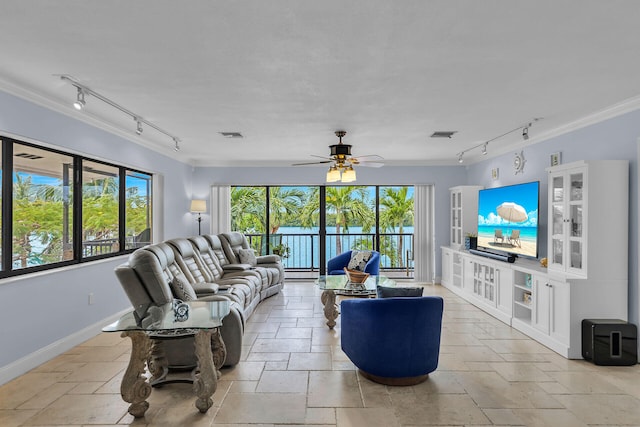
(44, 354)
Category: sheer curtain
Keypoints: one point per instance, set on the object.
(424, 240)
(220, 209)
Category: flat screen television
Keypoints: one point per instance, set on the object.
(508, 219)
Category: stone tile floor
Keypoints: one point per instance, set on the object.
(293, 373)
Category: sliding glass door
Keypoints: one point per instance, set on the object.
(309, 225)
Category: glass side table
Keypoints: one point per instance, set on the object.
(198, 319)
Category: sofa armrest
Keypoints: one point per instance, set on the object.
(236, 267)
(205, 288)
(268, 259)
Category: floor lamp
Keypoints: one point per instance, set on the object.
(199, 207)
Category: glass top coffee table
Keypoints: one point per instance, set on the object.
(149, 326)
(340, 285)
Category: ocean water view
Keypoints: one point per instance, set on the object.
(304, 244)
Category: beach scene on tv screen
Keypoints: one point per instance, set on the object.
(508, 219)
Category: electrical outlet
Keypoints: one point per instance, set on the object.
(91, 298)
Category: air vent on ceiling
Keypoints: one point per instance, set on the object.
(28, 156)
(231, 134)
(443, 134)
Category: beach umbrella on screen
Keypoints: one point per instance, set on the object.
(512, 212)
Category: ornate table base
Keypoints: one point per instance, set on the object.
(135, 388)
(331, 312)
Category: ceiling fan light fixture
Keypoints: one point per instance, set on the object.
(349, 175)
(333, 174)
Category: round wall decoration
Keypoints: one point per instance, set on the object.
(518, 162)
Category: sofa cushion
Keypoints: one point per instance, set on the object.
(247, 256)
(392, 292)
(182, 289)
(359, 260)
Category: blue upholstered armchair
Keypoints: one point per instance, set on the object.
(337, 264)
(393, 341)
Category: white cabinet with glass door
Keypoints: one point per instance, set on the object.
(463, 202)
(567, 234)
(588, 219)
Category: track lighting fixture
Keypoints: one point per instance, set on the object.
(80, 103)
(525, 135)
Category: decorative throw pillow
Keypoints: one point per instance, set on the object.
(359, 260)
(388, 292)
(182, 289)
(247, 256)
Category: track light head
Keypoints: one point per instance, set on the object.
(80, 102)
(460, 160)
(177, 145)
(139, 127)
(525, 132)
(484, 149)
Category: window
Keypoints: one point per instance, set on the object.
(138, 209)
(63, 208)
(42, 227)
(312, 224)
(100, 210)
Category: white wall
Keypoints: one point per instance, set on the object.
(45, 313)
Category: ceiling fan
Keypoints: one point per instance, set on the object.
(342, 162)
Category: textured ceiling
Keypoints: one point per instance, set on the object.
(287, 74)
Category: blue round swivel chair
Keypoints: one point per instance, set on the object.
(393, 341)
(337, 264)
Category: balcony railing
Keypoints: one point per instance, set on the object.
(396, 249)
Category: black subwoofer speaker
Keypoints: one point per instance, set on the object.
(609, 342)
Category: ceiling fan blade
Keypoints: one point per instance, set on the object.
(312, 163)
(371, 164)
(322, 157)
(368, 158)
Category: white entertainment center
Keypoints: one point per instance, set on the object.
(587, 244)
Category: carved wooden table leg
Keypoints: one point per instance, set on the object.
(134, 388)
(219, 350)
(157, 362)
(206, 379)
(331, 312)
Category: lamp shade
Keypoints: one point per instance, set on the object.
(198, 206)
(333, 175)
(349, 175)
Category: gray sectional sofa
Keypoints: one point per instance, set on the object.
(212, 266)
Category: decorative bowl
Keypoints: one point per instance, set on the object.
(355, 276)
